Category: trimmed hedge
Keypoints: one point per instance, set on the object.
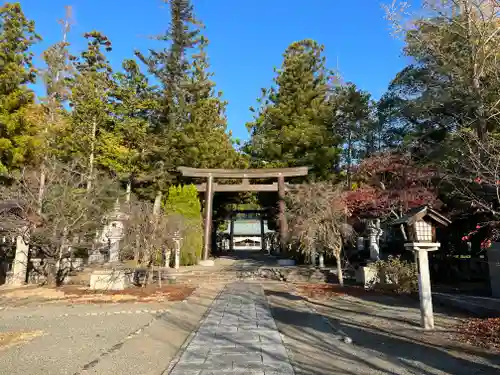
(184, 201)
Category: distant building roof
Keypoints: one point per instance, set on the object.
(247, 227)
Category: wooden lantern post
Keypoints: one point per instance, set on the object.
(419, 225)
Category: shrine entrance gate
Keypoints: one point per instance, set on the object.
(210, 187)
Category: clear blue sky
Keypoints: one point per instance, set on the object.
(247, 38)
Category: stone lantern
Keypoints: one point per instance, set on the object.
(419, 229)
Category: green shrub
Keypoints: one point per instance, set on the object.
(396, 275)
(184, 201)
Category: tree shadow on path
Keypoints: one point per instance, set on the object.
(383, 349)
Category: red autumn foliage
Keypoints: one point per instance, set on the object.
(390, 184)
(484, 333)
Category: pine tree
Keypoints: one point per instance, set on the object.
(290, 126)
(125, 150)
(170, 66)
(202, 141)
(18, 135)
(90, 101)
(189, 127)
(55, 119)
(350, 119)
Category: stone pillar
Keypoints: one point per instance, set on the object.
(493, 254)
(20, 266)
(313, 258)
(262, 234)
(114, 250)
(231, 233)
(177, 259)
(321, 261)
(283, 225)
(168, 254)
(207, 238)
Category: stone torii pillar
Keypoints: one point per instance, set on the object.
(231, 233)
(209, 196)
(283, 224)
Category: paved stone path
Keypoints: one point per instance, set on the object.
(238, 336)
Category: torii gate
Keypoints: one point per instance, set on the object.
(210, 187)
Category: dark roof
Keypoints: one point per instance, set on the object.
(419, 213)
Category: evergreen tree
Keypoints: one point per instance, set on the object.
(91, 103)
(18, 135)
(189, 125)
(171, 64)
(55, 119)
(125, 150)
(202, 141)
(184, 201)
(290, 128)
(351, 119)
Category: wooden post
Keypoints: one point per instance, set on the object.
(281, 215)
(425, 294)
(207, 238)
(424, 280)
(231, 233)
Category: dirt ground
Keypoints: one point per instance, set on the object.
(454, 329)
(9, 339)
(79, 294)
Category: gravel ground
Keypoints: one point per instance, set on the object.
(68, 342)
(114, 339)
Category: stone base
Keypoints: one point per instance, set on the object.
(286, 262)
(206, 263)
(96, 258)
(110, 279)
(365, 276)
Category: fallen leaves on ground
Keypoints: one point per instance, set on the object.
(329, 290)
(31, 291)
(147, 294)
(79, 294)
(484, 333)
(9, 339)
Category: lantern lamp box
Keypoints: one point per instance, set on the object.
(420, 224)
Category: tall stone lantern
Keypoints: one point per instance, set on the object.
(419, 228)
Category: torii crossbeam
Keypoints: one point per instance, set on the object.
(209, 188)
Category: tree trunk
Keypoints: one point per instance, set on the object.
(128, 192)
(339, 269)
(92, 156)
(58, 277)
(137, 251)
(157, 204)
(41, 189)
